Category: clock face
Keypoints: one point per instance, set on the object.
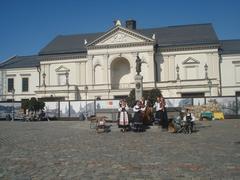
(138, 85)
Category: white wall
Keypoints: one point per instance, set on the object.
(17, 74)
(230, 74)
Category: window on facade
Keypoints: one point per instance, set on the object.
(237, 73)
(61, 79)
(24, 84)
(191, 72)
(195, 94)
(98, 74)
(10, 84)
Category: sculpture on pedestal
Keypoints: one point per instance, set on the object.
(138, 80)
(138, 65)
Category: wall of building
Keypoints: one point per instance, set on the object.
(230, 74)
(191, 72)
(17, 75)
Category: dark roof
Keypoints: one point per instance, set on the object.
(166, 36)
(230, 46)
(183, 35)
(69, 44)
(21, 62)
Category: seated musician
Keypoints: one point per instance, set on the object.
(101, 122)
(189, 118)
(178, 121)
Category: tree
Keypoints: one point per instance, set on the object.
(25, 105)
(151, 95)
(131, 98)
(33, 105)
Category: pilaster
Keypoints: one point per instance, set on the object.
(89, 70)
(171, 68)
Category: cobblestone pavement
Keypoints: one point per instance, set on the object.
(71, 150)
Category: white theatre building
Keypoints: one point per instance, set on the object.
(182, 61)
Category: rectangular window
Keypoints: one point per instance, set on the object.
(193, 94)
(237, 73)
(10, 84)
(191, 72)
(24, 84)
(61, 79)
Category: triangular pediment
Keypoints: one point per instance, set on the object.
(191, 60)
(120, 35)
(62, 69)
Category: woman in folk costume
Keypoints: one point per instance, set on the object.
(123, 116)
(138, 110)
(120, 105)
(143, 102)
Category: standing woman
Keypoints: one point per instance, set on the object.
(123, 116)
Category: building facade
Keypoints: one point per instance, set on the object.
(181, 61)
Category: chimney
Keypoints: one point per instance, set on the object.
(131, 24)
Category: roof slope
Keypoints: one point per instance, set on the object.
(21, 62)
(183, 35)
(166, 36)
(230, 46)
(68, 44)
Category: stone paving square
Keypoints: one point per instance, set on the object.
(71, 150)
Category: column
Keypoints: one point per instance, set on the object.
(89, 70)
(210, 65)
(83, 73)
(78, 70)
(105, 69)
(171, 68)
(48, 74)
(166, 67)
(151, 67)
(215, 67)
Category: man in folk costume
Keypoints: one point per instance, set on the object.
(123, 116)
(163, 113)
(158, 108)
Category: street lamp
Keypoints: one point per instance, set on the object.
(39, 75)
(67, 82)
(177, 69)
(206, 71)
(210, 86)
(67, 77)
(13, 93)
(44, 76)
(86, 90)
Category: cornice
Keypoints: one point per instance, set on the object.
(188, 48)
(120, 45)
(62, 57)
(120, 28)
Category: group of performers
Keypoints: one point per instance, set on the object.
(143, 113)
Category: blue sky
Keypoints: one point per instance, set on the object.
(26, 26)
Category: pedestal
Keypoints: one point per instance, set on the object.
(138, 87)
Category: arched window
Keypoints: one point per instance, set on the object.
(98, 74)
